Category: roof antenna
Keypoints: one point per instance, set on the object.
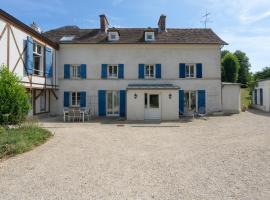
(206, 18)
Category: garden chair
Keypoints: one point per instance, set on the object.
(65, 113)
(77, 114)
(88, 114)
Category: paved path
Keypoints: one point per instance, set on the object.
(221, 158)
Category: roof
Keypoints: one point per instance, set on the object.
(136, 36)
(152, 86)
(12, 20)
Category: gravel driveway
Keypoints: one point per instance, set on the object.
(224, 157)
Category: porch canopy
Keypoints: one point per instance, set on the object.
(164, 86)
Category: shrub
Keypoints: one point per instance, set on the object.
(231, 67)
(14, 99)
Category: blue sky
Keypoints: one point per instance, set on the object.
(244, 24)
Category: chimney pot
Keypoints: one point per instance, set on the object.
(162, 23)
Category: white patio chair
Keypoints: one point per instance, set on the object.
(65, 113)
(88, 114)
(77, 114)
(71, 114)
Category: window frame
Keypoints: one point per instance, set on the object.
(189, 65)
(77, 99)
(115, 76)
(40, 71)
(147, 76)
(148, 34)
(77, 71)
(113, 34)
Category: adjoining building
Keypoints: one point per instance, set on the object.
(261, 95)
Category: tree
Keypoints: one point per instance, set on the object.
(265, 73)
(14, 99)
(223, 53)
(230, 66)
(244, 70)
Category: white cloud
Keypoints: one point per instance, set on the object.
(247, 18)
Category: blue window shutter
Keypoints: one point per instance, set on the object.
(261, 96)
(141, 71)
(158, 70)
(83, 71)
(102, 103)
(82, 99)
(66, 99)
(120, 71)
(201, 98)
(48, 62)
(255, 94)
(122, 103)
(199, 70)
(181, 101)
(29, 55)
(182, 70)
(104, 71)
(66, 71)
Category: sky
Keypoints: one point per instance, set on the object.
(244, 24)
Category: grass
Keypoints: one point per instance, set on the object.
(14, 141)
(245, 98)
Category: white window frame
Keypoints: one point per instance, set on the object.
(40, 70)
(115, 34)
(75, 71)
(148, 34)
(113, 75)
(148, 76)
(77, 99)
(188, 74)
(196, 100)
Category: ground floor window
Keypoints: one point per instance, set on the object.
(75, 99)
(190, 100)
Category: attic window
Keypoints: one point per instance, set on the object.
(149, 36)
(67, 38)
(113, 36)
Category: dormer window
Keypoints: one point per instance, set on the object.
(113, 36)
(67, 38)
(149, 36)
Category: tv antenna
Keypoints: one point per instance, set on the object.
(206, 18)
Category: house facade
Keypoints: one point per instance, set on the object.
(32, 57)
(261, 95)
(137, 73)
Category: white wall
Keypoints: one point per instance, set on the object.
(169, 56)
(231, 98)
(265, 85)
(169, 107)
(20, 38)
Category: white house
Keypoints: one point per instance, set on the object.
(137, 73)
(31, 56)
(261, 95)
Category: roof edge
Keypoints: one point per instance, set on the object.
(14, 21)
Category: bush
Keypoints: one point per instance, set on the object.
(14, 99)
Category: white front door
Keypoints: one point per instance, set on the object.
(112, 99)
(152, 106)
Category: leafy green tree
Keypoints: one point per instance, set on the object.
(223, 53)
(244, 70)
(14, 99)
(265, 73)
(231, 67)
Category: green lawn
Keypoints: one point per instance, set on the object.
(19, 140)
(245, 98)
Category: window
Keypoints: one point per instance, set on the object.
(113, 36)
(67, 38)
(75, 71)
(190, 100)
(75, 99)
(149, 36)
(149, 71)
(112, 71)
(37, 59)
(154, 101)
(190, 70)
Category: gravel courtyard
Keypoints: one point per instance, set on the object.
(224, 157)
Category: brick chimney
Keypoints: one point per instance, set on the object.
(104, 24)
(162, 23)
